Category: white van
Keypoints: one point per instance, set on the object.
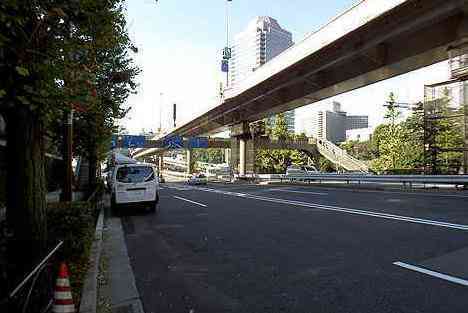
(135, 184)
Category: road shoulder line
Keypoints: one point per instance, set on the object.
(446, 277)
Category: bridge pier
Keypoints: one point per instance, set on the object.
(160, 165)
(242, 157)
(227, 156)
(189, 162)
(242, 150)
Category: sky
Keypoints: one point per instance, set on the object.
(180, 44)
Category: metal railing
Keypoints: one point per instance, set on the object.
(340, 157)
(36, 289)
(403, 179)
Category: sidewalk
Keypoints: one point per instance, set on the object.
(117, 290)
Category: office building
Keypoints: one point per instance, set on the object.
(261, 41)
(334, 125)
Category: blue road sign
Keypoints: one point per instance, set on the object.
(128, 141)
(174, 142)
(113, 142)
(198, 142)
(224, 66)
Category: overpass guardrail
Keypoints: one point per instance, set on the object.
(403, 179)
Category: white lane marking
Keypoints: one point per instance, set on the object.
(452, 279)
(299, 191)
(344, 210)
(197, 203)
(182, 188)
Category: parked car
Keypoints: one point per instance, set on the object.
(135, 184)
(197, 179)
(296, 170)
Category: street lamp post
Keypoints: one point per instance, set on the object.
(160, 111)
(226, 50)
(227, 38)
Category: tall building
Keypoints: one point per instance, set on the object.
(261, 41)
(289, 117)
(333, 125)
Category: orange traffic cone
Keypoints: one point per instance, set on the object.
(63, 301)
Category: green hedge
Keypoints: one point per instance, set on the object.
(74, 223)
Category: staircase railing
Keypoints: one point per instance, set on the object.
(340, 157)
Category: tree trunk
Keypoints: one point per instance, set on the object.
(26, 202)
(92, 169)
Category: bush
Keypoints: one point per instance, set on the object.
(74, 223)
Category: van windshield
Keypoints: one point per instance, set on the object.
(135, 174)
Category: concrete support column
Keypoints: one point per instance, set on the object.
(227, 156)
(189, 162)
(250, 157)
(234, 162)
(465, 119)
(242, 157)
(160, 165)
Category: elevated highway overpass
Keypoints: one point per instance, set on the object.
(370, 42)
(309, 146)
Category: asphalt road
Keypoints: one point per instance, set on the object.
(244, 248)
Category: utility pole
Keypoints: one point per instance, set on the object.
(160, 111)
(68, 156)
(174, 113)
(67, 193)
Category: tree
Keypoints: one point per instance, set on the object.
(211, 155)
(50, 62)
(280, 131)
(30, 57)
(444, 134)
(360, 150)
(115, 74)
(394, 151)
(276, 161)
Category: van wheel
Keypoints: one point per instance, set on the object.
(154, 205)
(114, 207)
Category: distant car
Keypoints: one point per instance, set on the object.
(296, 170)
(135, 184)
(197, 179)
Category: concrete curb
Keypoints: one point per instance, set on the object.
(89, 292)
(121, 289)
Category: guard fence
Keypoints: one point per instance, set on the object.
(405, 180)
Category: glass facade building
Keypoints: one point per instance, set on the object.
(261, 41)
